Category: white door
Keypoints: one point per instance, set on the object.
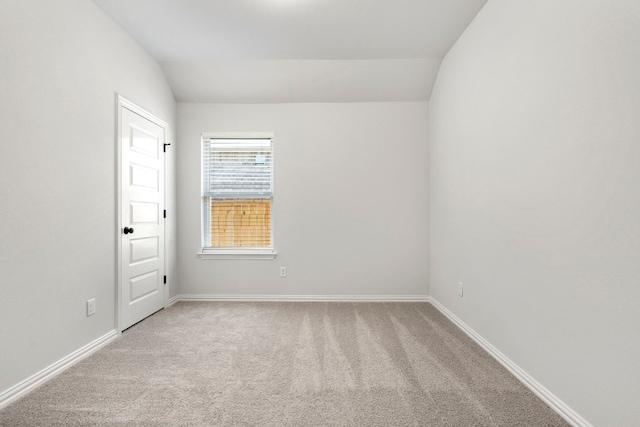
(142, 273)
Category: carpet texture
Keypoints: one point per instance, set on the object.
(286, 364)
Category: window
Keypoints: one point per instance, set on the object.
(237, 196)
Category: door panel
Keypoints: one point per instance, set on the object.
(146, 213)
(142, 201)
(144, 285)
(143, 249)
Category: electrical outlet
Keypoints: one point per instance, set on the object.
(91, 307)
(460, 289)
(283, 271)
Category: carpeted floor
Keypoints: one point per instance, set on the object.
(286, 364)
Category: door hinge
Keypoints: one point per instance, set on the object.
(164, 214)
(164, 147)
(165, 280)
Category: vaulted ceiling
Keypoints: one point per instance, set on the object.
(296, 50)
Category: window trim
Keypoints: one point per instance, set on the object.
(237, 253)
(214, 253)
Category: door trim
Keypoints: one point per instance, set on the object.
(122, 102)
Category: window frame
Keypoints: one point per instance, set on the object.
(254, 253)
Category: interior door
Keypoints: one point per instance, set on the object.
(141, 217)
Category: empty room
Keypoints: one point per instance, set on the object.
(320, 212)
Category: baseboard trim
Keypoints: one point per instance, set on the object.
(174, 299)
(543, 393)
(14, 393)
(302, 298)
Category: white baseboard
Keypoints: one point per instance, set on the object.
(549, 398)
(174, 299)
(12, 394)
(345, 298)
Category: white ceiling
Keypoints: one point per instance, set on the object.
(296, 50)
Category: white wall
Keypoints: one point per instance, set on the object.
(351, 206)
(535, 194)
(61, 64)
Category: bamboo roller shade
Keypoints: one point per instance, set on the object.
(241, 223)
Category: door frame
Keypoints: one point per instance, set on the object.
(122, 102)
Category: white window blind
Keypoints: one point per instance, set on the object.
(237, 194)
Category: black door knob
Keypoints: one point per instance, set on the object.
(128, 230)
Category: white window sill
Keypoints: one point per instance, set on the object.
(238, 254)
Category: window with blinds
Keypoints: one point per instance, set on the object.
(237, 195)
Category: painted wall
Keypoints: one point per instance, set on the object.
(61, 65)
(535, 178)
(350, 209)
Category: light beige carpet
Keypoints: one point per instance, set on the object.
(286, 364)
